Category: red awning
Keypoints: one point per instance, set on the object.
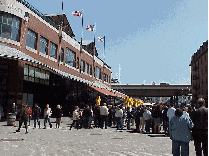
(106, 92)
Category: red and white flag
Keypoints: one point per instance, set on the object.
(90, 28)
(77, 13)
(101, 39)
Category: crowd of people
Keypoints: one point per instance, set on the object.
(181, 124)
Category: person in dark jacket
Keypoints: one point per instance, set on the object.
(110, 116)
(23, 117)
(36, 115)
(137, 118)
(113, 116)
(165, 120)
(157, 117)
(200, 129)
(96, 113)
(129, 117)
(87, 116)
(58, 114)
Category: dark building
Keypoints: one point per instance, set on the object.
(199, 73)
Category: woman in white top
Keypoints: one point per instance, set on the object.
(75, 118)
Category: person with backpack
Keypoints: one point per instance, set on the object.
(23, 116)
(36, 115)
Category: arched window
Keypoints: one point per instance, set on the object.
(9, 26)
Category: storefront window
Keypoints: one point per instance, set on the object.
(9, 26)
(53, 50)
(70, 57)
(43, 45)
(31, 39)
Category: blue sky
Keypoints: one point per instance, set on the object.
(152, 40)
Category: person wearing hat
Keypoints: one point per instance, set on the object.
(58, 114)
(200, 129)
(23, 117)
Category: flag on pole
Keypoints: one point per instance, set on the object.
(100, 39)
(77, 13)
(90, 28)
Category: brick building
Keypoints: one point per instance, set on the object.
(199, 73)
(41, 62)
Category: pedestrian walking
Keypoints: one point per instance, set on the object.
(30, 115)
(47, 116)
(113, 116)
(87, 117)
(75, 118)
(180, 127)
(124, 117)
(200, 130)
(36, 115)
(133, 111)
(103, 114)
(142, 121)
(119, 115)
(110, 116)
(165, 120)
(170, 114)
(23, 118)
(96, 113)
(137, 118)
(58, 115)
(129, 117)
(157, 117)
(148, 119)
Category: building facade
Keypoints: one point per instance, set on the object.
(199, 73)
(41, 62)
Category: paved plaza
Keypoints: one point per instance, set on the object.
(82, 142)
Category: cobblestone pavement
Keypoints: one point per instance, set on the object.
(98, 142)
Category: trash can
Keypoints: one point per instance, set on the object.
(10, 119)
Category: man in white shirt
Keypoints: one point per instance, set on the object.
(119, 115)
(170, 114)
(103, 113)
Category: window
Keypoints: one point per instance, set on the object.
(43, 45)
(70, 57)
(77, 63)
(26, 72)
(62, 55)
(98, 73)
(90, 69)
(87, 68)
(9, 26)
(82, 65)
(53, 50)
(31, 39)
(31, 74)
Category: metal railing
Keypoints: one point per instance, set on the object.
(29, 6)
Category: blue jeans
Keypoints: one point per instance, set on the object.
(176, 148)
(129, 124)
(36, 118)
(45, 121)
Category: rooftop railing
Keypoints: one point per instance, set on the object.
(29, 6)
